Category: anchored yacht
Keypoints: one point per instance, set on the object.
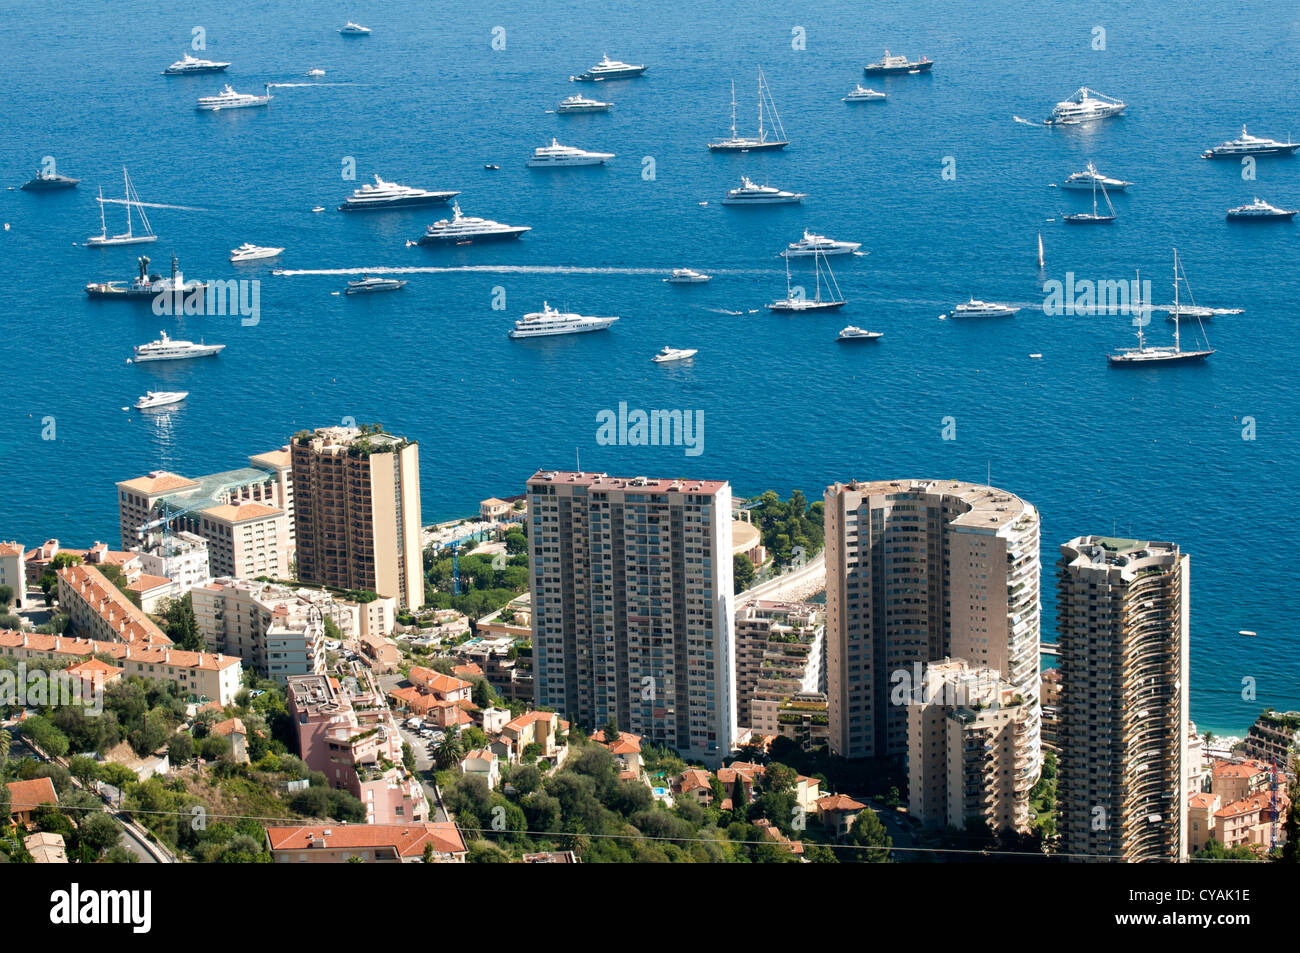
(812, 244)
(144, 285)
(750, 194)
(796, 300)
(581, 104)
(1145, 354)
(380, 195)
(556, 155)
(165, 349)
(549, 321)
(668, 354)
(687, 276)
(1248, 145)
(49, 181)
(860, 94)
(129, 237)
(229, 99)
(354, 29)
(853, 333)
(1085, 105)
(982, 309)
(190, 64)
(1090, 176)
(761, 142)
(466, 229)
(608, 69)
(889, 65)
(160, 398)
(1260, 211)
(251, 252)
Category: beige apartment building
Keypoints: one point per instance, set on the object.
(971, 754)
(246, 540)
(100, 610)
(279, 632)
(357, 512)
(631, 583)
(917, 571)
(779, 649)
(1122, 622)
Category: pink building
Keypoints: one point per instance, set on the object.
(349, 734)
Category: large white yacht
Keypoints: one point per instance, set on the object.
(668, 354)
(1085, 105)
(855, 333)
(1248, 145)
(549, 321)
(467, 229)
(1089, 176)
(860, 94)
(251, 252)
(581, 104)
(165, 349)
(370, 285)
(381, 195)
(687, 276)
(160, 398)
(556, 155)
(229, 99)
(750, 194)
(812, 244)
(1259, 210)
(983, 309)
(192, 64)
(608, 69)
(354, 29)
(888, 65)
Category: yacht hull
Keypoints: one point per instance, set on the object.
(1182, 357)
(747, 147)
(1266, 151)
(435, 199)
(471, 239)
(922, 67)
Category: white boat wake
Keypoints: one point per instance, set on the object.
(1029, 122)
(297, 85)
(499, 269)
(183, 208)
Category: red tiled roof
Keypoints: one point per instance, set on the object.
(407, 840)
(27, 795)
(112, 605)
(146, 654)
(838, 803)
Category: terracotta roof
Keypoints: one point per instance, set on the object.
(10, 549)
(27, 795)
(92, 667)
(274, 458)
(144, 582)
(232, 513)
(838, 803)
(627, 742)
(463, 671)
(480, 754)
(112, 605)
(1204, 799)
(436, 681)
(1245, 769)
(231, 726)
(407, 840)
(146, 654)
(160, 481)
(693, 779)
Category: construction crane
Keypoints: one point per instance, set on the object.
(1273, 785)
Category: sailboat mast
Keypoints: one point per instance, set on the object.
(1178, 344)
(760, 105)
(733, 109)
(126, 192)
(103, 226)
(1141, 311)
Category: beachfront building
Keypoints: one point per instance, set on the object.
(1122, 624)
(917, 571)
(631, 583)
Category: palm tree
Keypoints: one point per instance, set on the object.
(449, 750)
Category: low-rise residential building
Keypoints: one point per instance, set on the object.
(1201, 827)
(1274, 735)
(46, 848)
(484, 763)
(626, 750)
(694, 784)
(839, 813)
(277, 631)
(383, 655)
(346, 731)
(493, 509)
(1241, 778)
(804, 718)
(437, 842)
(37, 561)
(779, 651)
(181, 557)
(26, 796)
(233, 728)
(100, 610)
(444, 687)
(13, 572)
(198, 675)
(551, 857)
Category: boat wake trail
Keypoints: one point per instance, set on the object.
(296, 85)
(495, 269)
(1029, 122)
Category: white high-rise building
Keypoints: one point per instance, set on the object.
(632, 606)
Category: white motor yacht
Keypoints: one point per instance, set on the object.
(687, 276)
(550, 321)
(861, 94)
(812, 244)
(251, 252)
(750, 194)
(668, 354)
(165, 349)
(160, 398)
(556, 155)
(229, 99)
(983, 309)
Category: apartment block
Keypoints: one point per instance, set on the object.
(347, 732)
(181, 557)
(917, 571)
(632, 606)
(1275, 735)
(357, 512)
(779, 649)
(277, 631)
(200, 675)
(100, 610)
(1122, 623)
(971, 757)
(13, 572)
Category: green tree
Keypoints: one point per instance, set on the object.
(1291, 849)
(868, 831)
(6, 597)
(180, 624)
(742, 572)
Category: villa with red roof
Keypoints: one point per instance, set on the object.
(371, 843)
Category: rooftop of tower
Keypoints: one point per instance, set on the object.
(990, 507)
(645, 484)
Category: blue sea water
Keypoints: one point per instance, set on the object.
(426, 100)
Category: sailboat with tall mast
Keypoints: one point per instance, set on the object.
(1093, 217)
(793, 302)
(1144, 353)
(129, 237)
(761, 142)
